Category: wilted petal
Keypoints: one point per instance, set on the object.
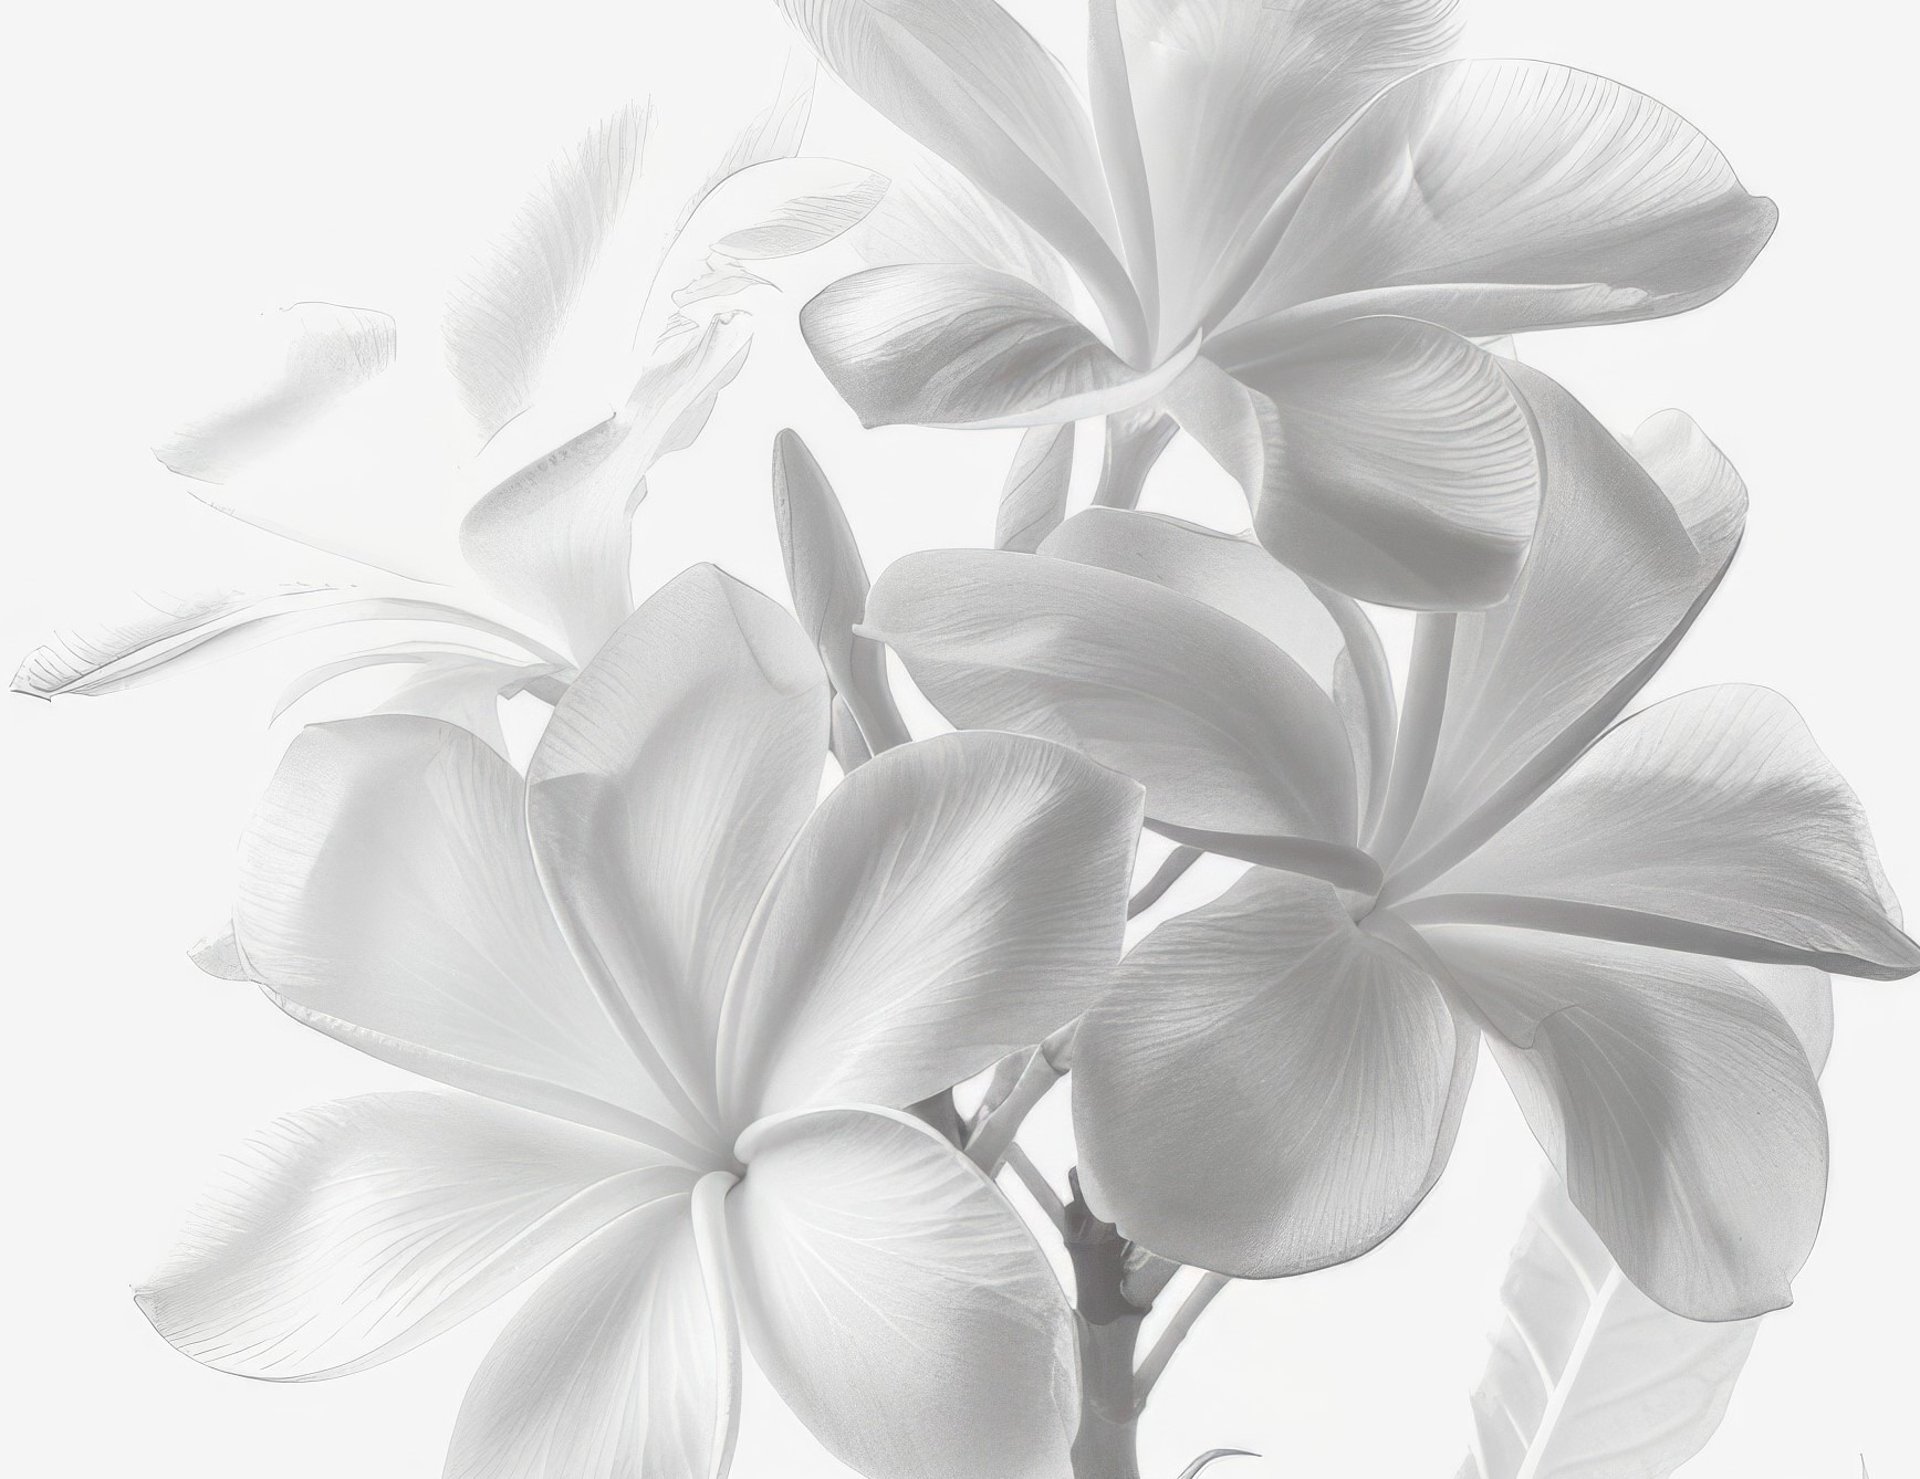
(1710, 822)
(556, 539)
(388, 898)
(1264, 1089)
(1491, 196)
(1234, 99)
(1388, 458)
(898, 1304)
(1227, 732)
(671, 778)
(1631, 542)
(348, 1233)
(949, 902)
(956, 345)
(609, 1371)
(1675, 1100)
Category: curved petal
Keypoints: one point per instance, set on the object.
(1389, 458)
(1631, 543)
(1492, 196)
(1710, 822)
(965, 79)
(947, 344)
(949, 902)
(671, 778)
(1675, 1100)
(898, 1304)
(388, 898)
(350, 1232)
(609, 1370)
(1034, 499)
(556, 539)
(1227, 732)
(1233, 101)
(1263, 1091)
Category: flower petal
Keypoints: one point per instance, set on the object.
(348, 1233)
(1675, 1100)
(898, 1304)
(1631, 542)
(1034, 499)
(949, 902)
(671, 778)
(609, 1370)
(1264, 1090)
(1710, 822)
(965, 79)
(556, 539)
(956, 345)
(1390, 459)
(1492, 196)
(1227, 732)
(1233, 101)
(388, 898)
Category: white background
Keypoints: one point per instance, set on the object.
(170, 167)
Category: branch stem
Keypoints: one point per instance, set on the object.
(1191, 1308)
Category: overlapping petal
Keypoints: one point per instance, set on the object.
(1493, 196)
(673, 775)
(346, 1234)
(897, 1303)
(1675, 1099)
(1267, 1088)
(949, 902)
(1227, 732)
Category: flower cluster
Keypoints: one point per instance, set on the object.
(698, 978)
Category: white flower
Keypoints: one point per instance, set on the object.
(1293, 220)
(1275, 1082)
(687, 1006)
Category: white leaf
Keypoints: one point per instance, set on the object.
(789, 206)
(1588, 1378)
(1034, 500)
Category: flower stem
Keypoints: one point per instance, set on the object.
(1107, 1325)
(1191, 1308)
(1135, 440)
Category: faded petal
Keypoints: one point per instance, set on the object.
(348, 1233)
(1264, 1089)
(898, 1304)
(951, 901)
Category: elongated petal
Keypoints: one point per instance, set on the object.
(348, 1233)
(286, 373)
(556, 539)
(1710, 822)
(1388, 458)
(787, 206)
(610, 1370)
(1226, 732)
(670, 780)
(1492, 196)
(1234, 99)
(1631, 542)
(1675, 1100)
(1263, 1091)
(1034, 500)
(898, 1304)
(966, 80)
(951, 901)
(956, 345)
(388, 897)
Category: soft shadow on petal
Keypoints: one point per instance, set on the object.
(1710, 822)
(348, 1233)
(1264, 1090)
(897, 1302)
(949, 902)
(608, 1371)
(1227, 732)
(1493, 196)
(1675, 1099)
(671, 778)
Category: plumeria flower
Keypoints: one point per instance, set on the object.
(1275, 1082)
(1293, 221)
(504, 573)
(685, 1007)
